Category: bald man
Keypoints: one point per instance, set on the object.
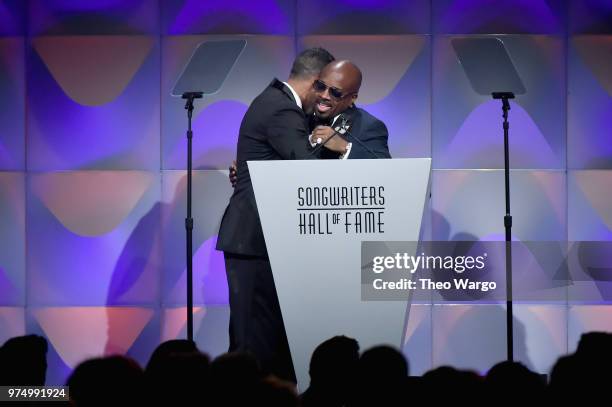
(361, 134)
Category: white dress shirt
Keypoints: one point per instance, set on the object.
(295, 95)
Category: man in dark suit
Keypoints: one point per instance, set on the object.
(361, 134)
(273, 128)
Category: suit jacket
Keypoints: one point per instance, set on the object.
(368, 135)
(273, 128)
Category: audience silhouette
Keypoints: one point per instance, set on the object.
(23, 361)
(179, 374)
(333, 370)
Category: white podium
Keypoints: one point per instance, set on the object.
(315, 214)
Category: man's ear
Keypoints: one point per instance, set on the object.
(354, 98)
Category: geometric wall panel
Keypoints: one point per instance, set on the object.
(590, 16)
(589, 209)
(78, 333)
(395, 87)
(98, 114)
(60, 17)
(469, 205)
(216, 118)
(418, 341)
(12, 103)
(85, 332)
(380, 17)
(93, 238)
(467, 127)
(589, 131)
(211, 192)
(493, 17)
(210, 327)
(545, 337)
(273, 17)
(590, 270)
(12, 323)
(12, 17)
(459, 340)
(12, 239)
(590, 230)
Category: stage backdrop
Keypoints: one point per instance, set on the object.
(92, 159)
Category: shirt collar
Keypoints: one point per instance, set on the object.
(335, 118)
(298, 101)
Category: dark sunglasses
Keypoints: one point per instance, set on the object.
(320, 86)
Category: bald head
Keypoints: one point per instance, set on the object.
(346, 72)
(342, 80)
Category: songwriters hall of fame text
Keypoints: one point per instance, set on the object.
(324, 210)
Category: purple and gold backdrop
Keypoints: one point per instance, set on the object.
(92, 159)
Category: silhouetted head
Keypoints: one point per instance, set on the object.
(446, 383)
(165, 349)
(236, 367)
(333, 370)
(333, 360)
(510, 375)
(595, 345)
(91, 382)
(382, 371)
(274, 392)
(337, 88)
(587, 370)
(384, 363)
(23, 361)
(231, 371)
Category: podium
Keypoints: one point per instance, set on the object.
(315, 214)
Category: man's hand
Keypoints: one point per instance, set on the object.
(320, 134)
(337, 144)
(233, 174)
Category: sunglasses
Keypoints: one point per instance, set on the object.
(320, 86)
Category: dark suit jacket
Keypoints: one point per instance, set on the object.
(368, 135)
(273, 128)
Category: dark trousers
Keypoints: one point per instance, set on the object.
(256, 323)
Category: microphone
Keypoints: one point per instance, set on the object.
(361, 143)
